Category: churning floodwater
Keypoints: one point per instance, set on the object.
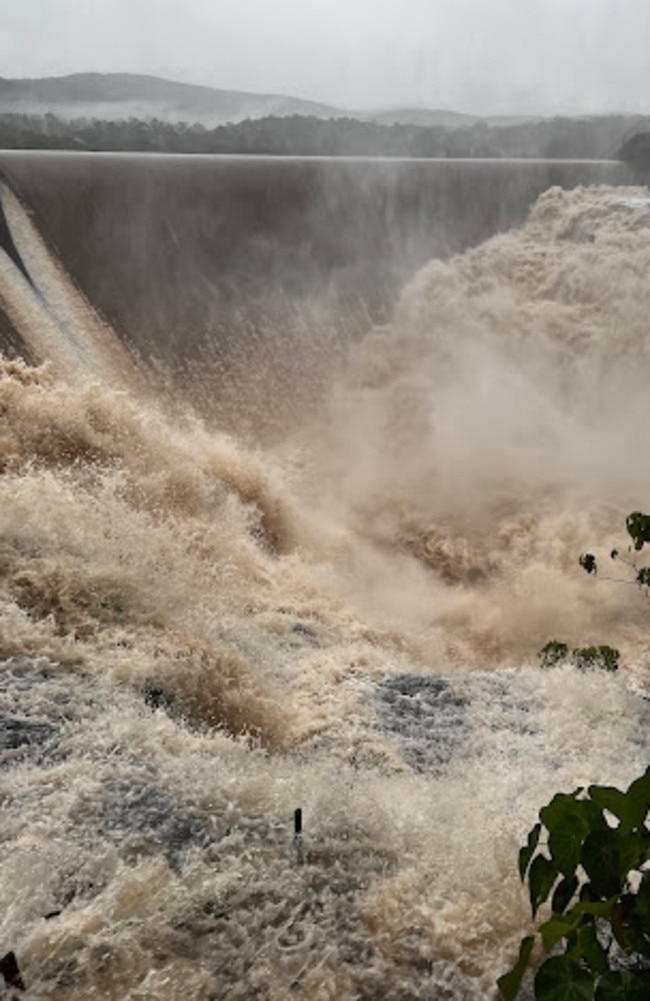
(286, 512)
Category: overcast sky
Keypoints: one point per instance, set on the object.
(484, 56)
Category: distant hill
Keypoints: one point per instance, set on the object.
(128, 95)
(424, 117)
(442, 118)
(122, 111)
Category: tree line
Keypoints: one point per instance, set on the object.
(297, 135)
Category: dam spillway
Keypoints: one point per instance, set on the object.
(282, 538)
(196, 260)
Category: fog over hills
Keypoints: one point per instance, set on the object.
(423, 117)
(122, 111)
(126, 95)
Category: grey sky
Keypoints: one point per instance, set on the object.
(487, 56)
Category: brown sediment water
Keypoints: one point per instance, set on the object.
(202, 631)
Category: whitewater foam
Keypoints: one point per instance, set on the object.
(199, 636)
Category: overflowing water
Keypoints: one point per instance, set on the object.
(202, 632)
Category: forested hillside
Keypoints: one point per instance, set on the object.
(580, 138)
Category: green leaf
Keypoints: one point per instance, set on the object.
(554, 930)
(638, 797)
(638, 527)
(588, 562)
(607, 857)
(589, 949)
(567, 807)
(560, 979)
(569, 821)
(510, 982)
(630, 807)
(564, 894)
(541, 878)
(565, 844)
(598, 909)
(526, 853)
(621, 985)
(610, 798)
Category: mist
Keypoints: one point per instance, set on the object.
(508, 57)
(446, 461)
(298, 456)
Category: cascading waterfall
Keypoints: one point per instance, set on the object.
(200, 632)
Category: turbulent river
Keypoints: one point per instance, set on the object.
(297, 460)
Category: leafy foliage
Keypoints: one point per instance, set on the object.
(553, 653)
(588, 854)
(602, 656)
(588, 857)
(584, 657)
(588, 562)
(638, 528)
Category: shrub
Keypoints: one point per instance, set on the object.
(604, 657)
(588, 854)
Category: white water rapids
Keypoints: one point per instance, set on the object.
(199, 635)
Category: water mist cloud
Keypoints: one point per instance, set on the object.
(511, 56)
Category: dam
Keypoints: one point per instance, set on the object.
(297, 461)
(272, 265)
